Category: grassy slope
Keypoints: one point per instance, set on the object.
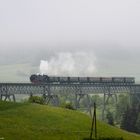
(32, 121)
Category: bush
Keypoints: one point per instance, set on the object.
(36, 99)
(68, 106)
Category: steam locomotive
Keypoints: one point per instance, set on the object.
(53, 79)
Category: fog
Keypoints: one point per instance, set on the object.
(102, 35)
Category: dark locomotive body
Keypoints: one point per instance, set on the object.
(53, 79)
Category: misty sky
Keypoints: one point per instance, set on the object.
(36, 31)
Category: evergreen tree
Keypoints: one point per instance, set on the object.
(124, 121)
(138, 124)
(129, 119)
(110, 118)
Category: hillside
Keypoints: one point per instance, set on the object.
(39, 122)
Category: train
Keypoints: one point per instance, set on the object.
(34, 78)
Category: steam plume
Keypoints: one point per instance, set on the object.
(69, 64)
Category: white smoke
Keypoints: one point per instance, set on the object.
(69, 64)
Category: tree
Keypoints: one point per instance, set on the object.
(129, 119)
(137, 125)
(110, 118)
(123, 103)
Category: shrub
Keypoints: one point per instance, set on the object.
(68, 106)
(36, 99)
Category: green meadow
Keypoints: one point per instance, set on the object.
(26, 121)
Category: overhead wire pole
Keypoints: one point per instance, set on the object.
(94, 124)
